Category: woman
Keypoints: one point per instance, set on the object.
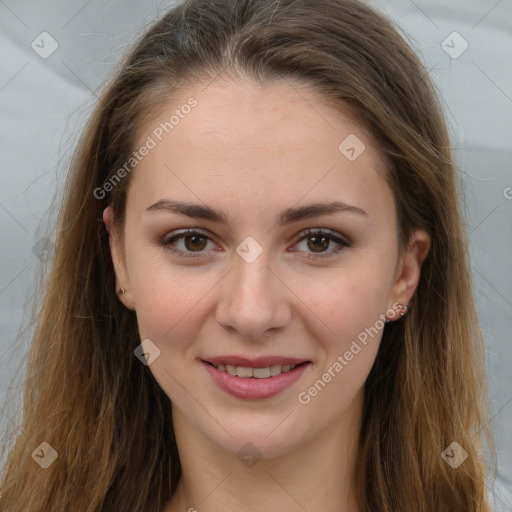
(260, 293)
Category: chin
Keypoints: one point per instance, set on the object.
(267, 435)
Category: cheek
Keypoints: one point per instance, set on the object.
(351, 300)
(166, 296)
(352, 306)
(353, 311)
(170, 312)
(169, 304)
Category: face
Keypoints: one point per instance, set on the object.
(289, 297)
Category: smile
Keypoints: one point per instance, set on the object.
(257, 373)
(264, 378)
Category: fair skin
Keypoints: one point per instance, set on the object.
(254, 151)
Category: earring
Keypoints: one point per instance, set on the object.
(405, 310)
(121, 291)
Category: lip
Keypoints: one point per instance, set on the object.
(257, 362)
(252, 388)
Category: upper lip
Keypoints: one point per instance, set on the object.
(256, 362)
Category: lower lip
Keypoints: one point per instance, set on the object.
(252, 388)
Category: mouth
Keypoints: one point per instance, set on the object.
(254, 379)
(263, 372)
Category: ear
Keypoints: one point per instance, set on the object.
(409, 269)
(118, 260)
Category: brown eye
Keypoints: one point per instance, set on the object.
(189, 242)
(319, 240)
(194, 242)
(318, 243)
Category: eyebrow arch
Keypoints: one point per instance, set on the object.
(198, 211)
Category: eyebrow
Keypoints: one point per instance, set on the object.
(288, 216)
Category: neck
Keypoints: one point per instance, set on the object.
(317, 475)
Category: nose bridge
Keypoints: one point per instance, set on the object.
(252, 299)
(251, 280)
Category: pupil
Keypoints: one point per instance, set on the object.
(323, 239)
(194, 243)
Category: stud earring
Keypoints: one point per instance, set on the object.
(404, 312)
(121, 291)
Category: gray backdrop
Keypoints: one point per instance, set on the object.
(54, 55)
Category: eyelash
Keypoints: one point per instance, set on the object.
(166, 242)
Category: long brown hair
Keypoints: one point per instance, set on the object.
(103, 412)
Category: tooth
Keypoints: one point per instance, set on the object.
(261, 373)
(241, 371)
(258, 373)
(231, 369)
(275, 370)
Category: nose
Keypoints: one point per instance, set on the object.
(254, 300)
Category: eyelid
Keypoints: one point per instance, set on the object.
(305, 233)
(167, 239)
(342, 241)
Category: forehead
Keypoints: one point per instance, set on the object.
(270, 143)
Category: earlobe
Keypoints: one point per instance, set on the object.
(409, 272)
(116, 253)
